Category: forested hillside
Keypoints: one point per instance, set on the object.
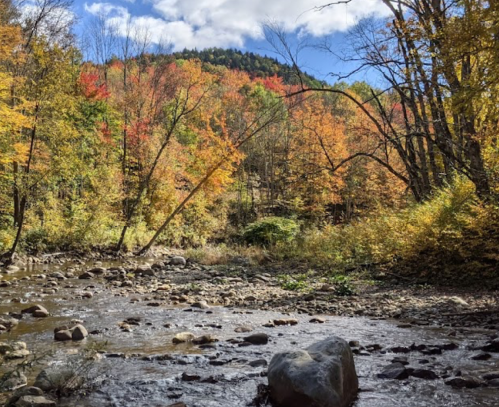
(132, 148)
(256, 65)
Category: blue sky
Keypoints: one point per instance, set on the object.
(237, 24)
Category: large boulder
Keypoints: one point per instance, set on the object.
(323, 375)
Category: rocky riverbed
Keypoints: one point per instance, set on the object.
(166, 331)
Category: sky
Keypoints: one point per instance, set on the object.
(239, 24)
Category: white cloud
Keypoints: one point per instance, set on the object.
(226, 23)
(106, 9)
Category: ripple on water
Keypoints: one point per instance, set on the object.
(135, 377)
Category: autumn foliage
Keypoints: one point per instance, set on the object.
(140, 148)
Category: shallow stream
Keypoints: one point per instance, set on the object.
(143, 368)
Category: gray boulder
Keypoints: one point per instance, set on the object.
(323, 375)
(178, 261)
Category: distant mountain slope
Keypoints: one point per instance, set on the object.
(256, 65)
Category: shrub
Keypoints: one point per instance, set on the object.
(271, 230)
(35, 240)
(435, 225)
(342, 286)
(293, 283)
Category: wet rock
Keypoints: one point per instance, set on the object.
(257, 339)
(492, 346)
(8, 322)
(493, 383)
(178, 261)
(76, 332)
(395, 371)
(35, 401)
(491, 376)
(14, 350)
(432, 350)
(400, 349)
(449, 346)
(288, 321)
(63, 335)
(183, 337)
(79, 332)
(203, 340)
(190, 378)
(97, 271)
(40, 313)
(86, 276)
(125, 327)
(37, 310)
(132, 321)
(322, 375)
(258, 363)
(12, 381)
(463, 382)
(318, 320)
(400, 359)
(201, 305)
(482, 356)
(12, 269)
(424, 374)
(24, 391)
(177, 405)
(243, 329)
(145, 270)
